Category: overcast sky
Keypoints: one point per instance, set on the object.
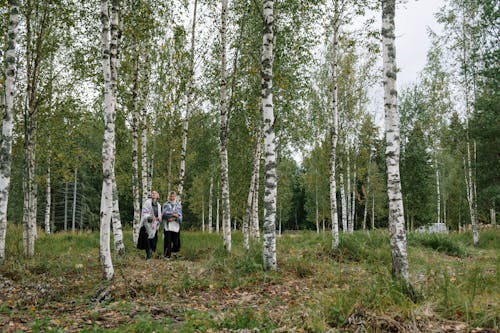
(412, 41)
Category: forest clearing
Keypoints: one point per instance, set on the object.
(208, 290)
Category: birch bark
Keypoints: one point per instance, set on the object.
(254, 222)
(185, 124)
(210, 200)
(136, 224)
(73, 212)
(247, 220)
(334, 120)
(270, 192)
(400, 267)
(342, 195)
(226, 213)
(7, 121)
(48, 197)
(108, 158)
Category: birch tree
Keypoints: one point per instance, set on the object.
(270, 192)
(7, 100)
(108, 151)
(189, 101)
(226, 213)
(400, 267)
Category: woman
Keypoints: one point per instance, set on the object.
(150, 221)
(172, 218)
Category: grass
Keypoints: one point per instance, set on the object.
(315, 289)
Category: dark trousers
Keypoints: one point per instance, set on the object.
(151, 245)
(172, 242)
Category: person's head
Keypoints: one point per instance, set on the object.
(171, 196)
(154, 196)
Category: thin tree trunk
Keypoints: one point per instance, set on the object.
(270, 192)
(317, 207)
(73, 213)
(248, 219)
(373, 211)
(144, 133)
(66, 188)
(136, 223)
(493, 217)
(116, 222)
(203, 214)
(185, 124)
(210, 200)
(108, 158)
(226, 213)
(7, 100)
(438, 192)
(342, 196)
(217, 213)
(400, 266)
(334, 120)
(348, 190)
(254, 223)
(353, 193)
(365, 214)
(48, 196)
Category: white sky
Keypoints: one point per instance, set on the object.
(412, 41)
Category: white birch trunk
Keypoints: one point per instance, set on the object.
(66, 188)
(116, 221)
(48, 197)
(73, 212)
(400, 267)
(226, 214)
(144, 153)
(365, 214)
(438, 193)
(334, 120)
(108, 158)
(317, 209)
(210, 200)
(254, 223)
(185, 124)
(470, 198)
(217, 212)
(493, 217)
(7, 121)
(270, 192)
(136, 223)
(248, 219)
(353, 195)
(373, 211)
(203, 214)
(348, 190)
(342, 196)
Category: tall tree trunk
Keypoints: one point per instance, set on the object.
(210, 200)
(493, 216)
(348, 190)
(317, 205)
(248, 220)
(7, 121)
(73, 212)
(353, 193)
(203, 214)
(48, 196)
(438, 192)
(254, 223)
(217, 212)
(226, 213)
(189, 89)
(400, 266)
(108, 158)
(270, 192)
(144, 134)
(66, 188)
(342, 196)
(114, 67)
(29, 186)
(116, 222)
(334, 120)
(373, 211)
(365, 214)
(136, 224)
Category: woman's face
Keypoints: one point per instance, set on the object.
(172, 197)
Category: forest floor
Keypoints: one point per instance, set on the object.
(205, 289)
